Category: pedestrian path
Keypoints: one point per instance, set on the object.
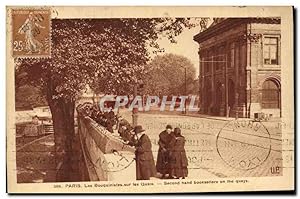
(209, 116)
(156, 111)
(208, 157)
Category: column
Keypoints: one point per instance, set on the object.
(235, 108)
(213, 94)
(248, 73)
(200, 81)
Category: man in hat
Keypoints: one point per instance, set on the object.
(145, 167)
(110, 120)
(162, 164)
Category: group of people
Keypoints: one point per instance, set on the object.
(112, 122)
(171, 159)
(106, 119)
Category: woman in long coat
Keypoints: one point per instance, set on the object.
(162, 164)
(145, 167)
(178, 159)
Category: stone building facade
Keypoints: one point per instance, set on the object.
(240, 67)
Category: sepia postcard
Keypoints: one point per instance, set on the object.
(149, 99)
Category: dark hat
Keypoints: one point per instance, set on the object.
(169, 126)
(177, 131)
(138, 129)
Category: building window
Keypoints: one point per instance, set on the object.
(271, 50)
(270, 95)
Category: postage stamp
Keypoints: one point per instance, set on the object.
(149, 99)
(31, 32)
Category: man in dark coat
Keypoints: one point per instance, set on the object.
(178, 160)
(110, 120)
(145, 167)
(125, 131)
(162, 164)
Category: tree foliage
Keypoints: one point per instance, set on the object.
(110, 55)
(28, 96)
(166, 75)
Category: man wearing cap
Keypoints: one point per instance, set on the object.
(162, 164)
(145, 167)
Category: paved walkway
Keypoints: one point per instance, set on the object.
(156, 111)
(217, 152)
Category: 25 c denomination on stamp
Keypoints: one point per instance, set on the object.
(31, 34)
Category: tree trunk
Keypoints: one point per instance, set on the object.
(62, 111)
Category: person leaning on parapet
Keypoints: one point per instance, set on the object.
(125, 131)
(94, 112)
(178, 160)
(110, 120)
(145, 167)
(99, 117)
(162, 164)
(86, 111)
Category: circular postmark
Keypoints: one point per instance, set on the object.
(243, 144)
(110, 162)
(117, 161)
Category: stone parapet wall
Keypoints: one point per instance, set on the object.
(104, 139)
(106, 157)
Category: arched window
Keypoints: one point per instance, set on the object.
(270, 94)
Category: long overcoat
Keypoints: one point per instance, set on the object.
(178, 160)
(145, 167)
(163, 152)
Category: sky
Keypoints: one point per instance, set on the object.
(185, 46)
